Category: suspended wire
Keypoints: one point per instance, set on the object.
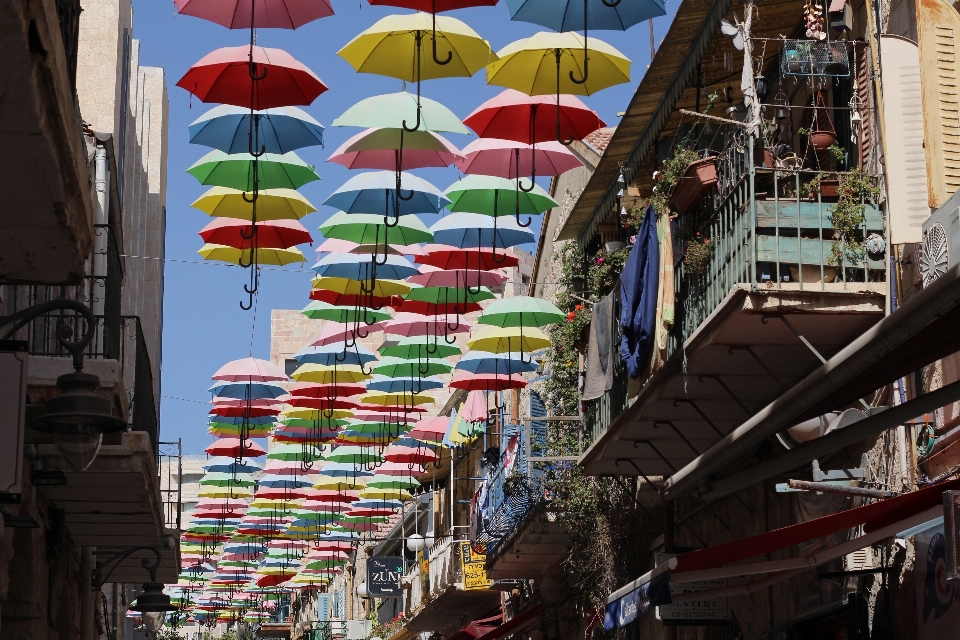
(216, 264)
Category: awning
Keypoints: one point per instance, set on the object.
(880, 520)
(477, 628)
(514, 625)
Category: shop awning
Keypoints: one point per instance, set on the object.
(880, 520)
(477, 628)
(514, 625)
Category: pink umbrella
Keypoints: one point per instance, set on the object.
(412, 324)
(275, 14)
(233, 448)
(512, 115)
(401, 469)
(475, 408)
(458, 278)
(334, 332)
(250, 370)
(359, 153)
(510, 159)
(430, 429)
(224, 76)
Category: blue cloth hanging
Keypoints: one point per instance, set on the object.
(638, 296)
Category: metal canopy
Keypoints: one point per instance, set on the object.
(741, 359)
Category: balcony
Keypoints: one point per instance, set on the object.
(442, 603)
(47, 219)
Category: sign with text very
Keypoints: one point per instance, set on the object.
(474, 568)
(383, 576)
(697, 612)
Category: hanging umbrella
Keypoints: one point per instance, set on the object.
(218, 479)
(225, 492)
(449, 257)
(372, 192)
(430, 429)
(384, 288)
(487, 381)
(335, 245)
(484, 362)
(317, 310)
(458, 278)
(233, 448)
(418, 347)
(250, 370)
(242, 257)
(385, 398)
(254, 390)
(409, 324)
(333, 332)
(512, 115)
(236, 14)
(391, 110)
(220, 429)
(521, 311)
(366, 229)
(314, 390)
(239, 234)
(352, 300)
(407, 454)
(472, 230)
(236, 171)
(315, 417)
(389, 148)
(230, 465)
(401, 469)
(398, 368)
(357, 267)
(508, 339)
(328, 375)
(353, 455)
(511, 159)
(278, 130)
(330, 354)
(496, 196)
(291, 452)
(396, 385)
(227, 76)
(272, 204)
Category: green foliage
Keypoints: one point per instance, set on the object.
(811, 188)
(848, 215)
(837, 152)
(167, 633)
(605, 271)
(388, 629)
(670, 173)
(696, 257)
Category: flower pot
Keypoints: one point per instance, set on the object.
(811, 274)
(697, 181)
(829, 188)
(821, 140)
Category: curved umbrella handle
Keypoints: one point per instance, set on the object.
(533, 172)
(586, 58)
(251, 68)
(449, 53)
(517, 213)
(560, 139)
(418, 38)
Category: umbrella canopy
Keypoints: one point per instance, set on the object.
(508, 339)
(393, 109)
(242, 257)
(357, 267)
(364, 228)
(418, 347)
(398, 368)
(334, 354)
(250, 370)
(487, 381)
(472, 230)
(449, 295)
(237, 14)
(230, 465)
(286, 171)
(387, 398)
(224, 76)
(497, 196)
(400, 469)
(333, 332)
(471, 259)
(317, 310)
(373, 192)
(353, 455)
(233, 448)
(314, 390)
(511, 159)
(546, 63)
(410, 324)
(250, 390)
(381, 149)
(272, 204)
(383, 288)
(458, 278)
(395, 385)
(239, 234)
(335, 245)
(568, 15)
(513, 115)
(329, 375)
(430, 429)
(521, 311)
(279, 130)
(393, 47)
(435, 6)
(491, 363)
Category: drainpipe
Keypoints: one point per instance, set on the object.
(102, 217)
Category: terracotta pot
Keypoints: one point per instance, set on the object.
(811, 274)
(821, 140)
(699, 178)
(829, 188)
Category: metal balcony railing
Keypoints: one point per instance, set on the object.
(171, 481)
(142, 414)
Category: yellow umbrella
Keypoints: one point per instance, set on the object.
(384, 494)
(272, 204)
(397, 398)
(508, 339)
(209, 491)
(279, 505)
(222, 253)
(317, 415)
(344, 286)
(547, 63)
(330, 483)
(323, 374)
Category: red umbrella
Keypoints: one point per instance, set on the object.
(250, 370)
(351, 300)
(232, 448)
(239, 411)
(271, 234)
(315, 390)
(409, 455)
(433, 309)
(353, 155)
(487, 382)
(334, 497)
(320, 403)
(501, 158)
(482, 258)
(458, 278)
(267, 14)
(512, 115)
(224, 76)
(430, 429)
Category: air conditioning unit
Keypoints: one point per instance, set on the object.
(359, 629)
(940, 248)
(859, 560)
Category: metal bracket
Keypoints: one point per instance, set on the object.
(150, 566)
(702, 414)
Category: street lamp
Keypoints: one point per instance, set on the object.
(153, 605)
(78, 417)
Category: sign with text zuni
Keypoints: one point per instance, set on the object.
(383, 576)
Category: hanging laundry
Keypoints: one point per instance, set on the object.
(638, 296)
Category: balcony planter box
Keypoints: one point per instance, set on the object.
(697, 181)
(829, 188)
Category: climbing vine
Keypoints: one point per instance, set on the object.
(848, 215)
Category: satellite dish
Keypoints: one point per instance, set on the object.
(735, 30)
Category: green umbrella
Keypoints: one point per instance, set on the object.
(318, 310)
(520, 311)
(494, 196)
(392, 109)
(419, 347)
(228, 480)
(449, 295)
(356, 455)
(315, 424)
(285, 171)
(382, 481)
(400, 368)
(292, 451)
(379, 428)
(365, 228)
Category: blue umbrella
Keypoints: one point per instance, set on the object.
(251, 548)
(358, 267)
(399, 385)
(280, 130)
(376, 192)
(229, 465)
(344, 470)
(241, 420)
(335, 354)
(376, 504)
(240, 390)
(468, 230)
(484, 362)
(284, 482)
(340, 536)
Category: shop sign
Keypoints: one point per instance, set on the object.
(383, 576)
(707, 611)
(637, 603)
(474, 567)
(938, 600)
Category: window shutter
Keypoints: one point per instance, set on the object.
(864, 72)
(323, 606)
(938, 31)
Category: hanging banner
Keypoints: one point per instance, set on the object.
(637, 603)
(474, 568)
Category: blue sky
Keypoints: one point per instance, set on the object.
(204, 326)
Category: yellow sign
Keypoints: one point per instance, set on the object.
(474, 568)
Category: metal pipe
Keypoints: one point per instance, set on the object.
(100, 233)
(844, 489)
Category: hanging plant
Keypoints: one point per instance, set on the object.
(670, 174)
(696, 257)
(848, 215)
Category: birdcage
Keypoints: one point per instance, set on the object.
(814, 58)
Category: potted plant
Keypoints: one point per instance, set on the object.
(696, 257)
(695, 183)
(669, 176)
